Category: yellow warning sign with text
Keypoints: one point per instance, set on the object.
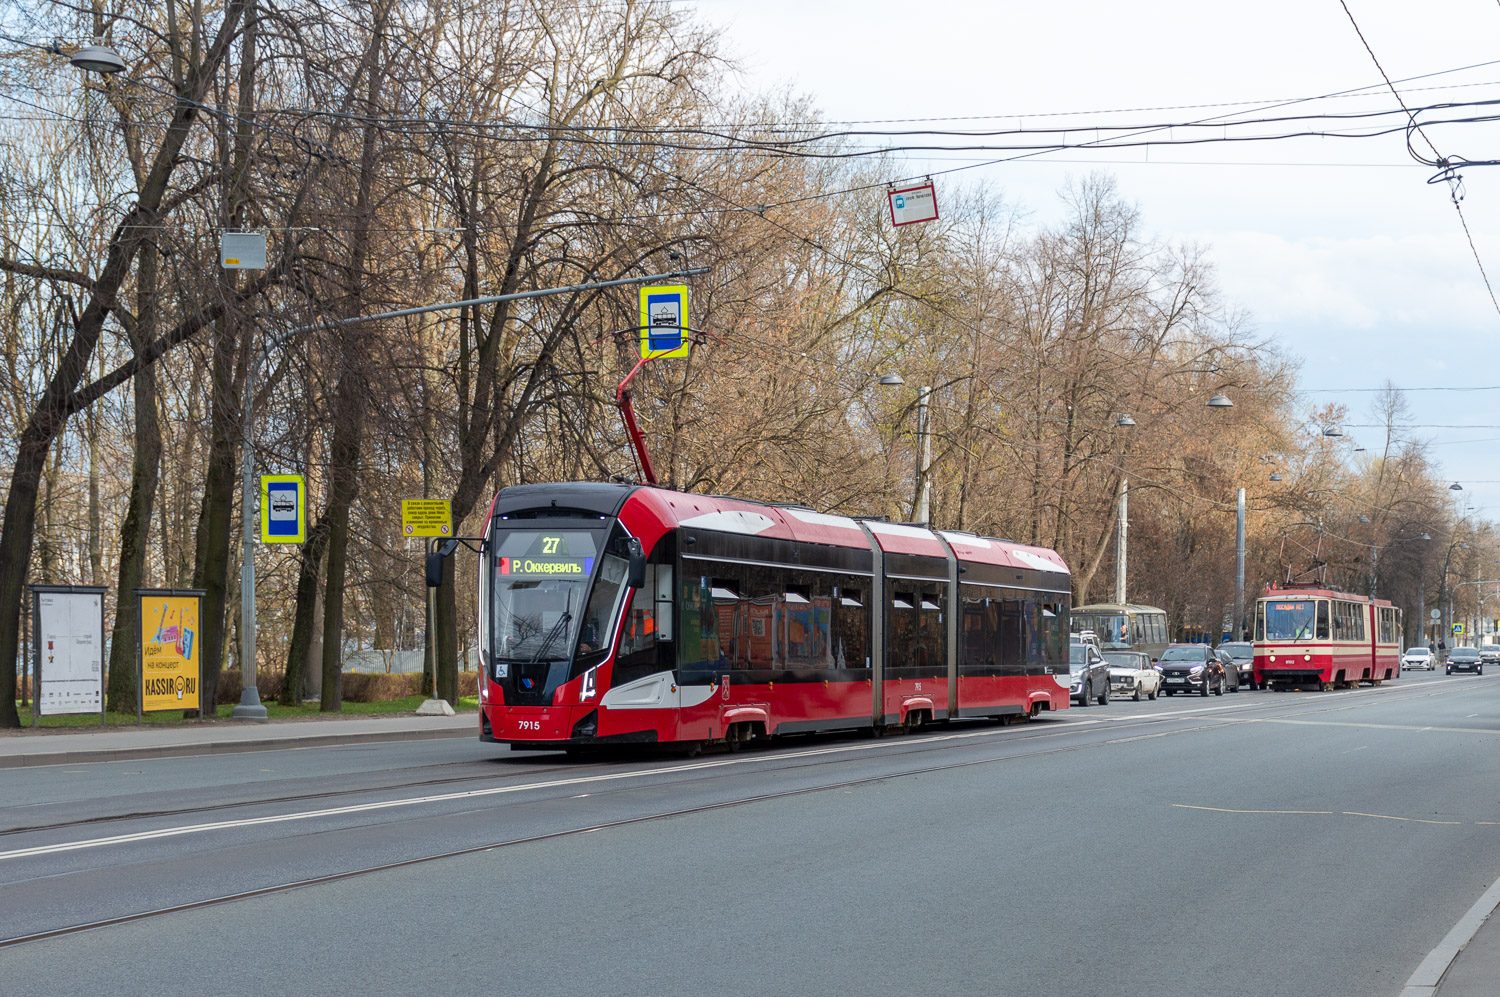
(170, 648)
(426, 518)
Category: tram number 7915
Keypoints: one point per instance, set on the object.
(529, 724)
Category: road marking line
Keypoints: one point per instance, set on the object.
(1226, 810)
(171, 832)
(1347, 723)
(1418, 820)
(1429, 972)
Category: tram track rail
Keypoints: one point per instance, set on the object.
(1194, 723)
(906, 744)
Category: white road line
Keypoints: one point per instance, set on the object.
(1352, 723)
(1423, 982)
(170, 832)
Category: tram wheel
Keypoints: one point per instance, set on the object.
(1327, 686)
(1377, 682)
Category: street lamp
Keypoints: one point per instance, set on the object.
(97, 59)
(1455, 487)
(1333, 432)
(1220, 401)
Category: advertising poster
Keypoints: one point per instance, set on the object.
(69, 636)
(170, 642)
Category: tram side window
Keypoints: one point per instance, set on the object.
(765, 594)
(1322, 633)
(849, 632)
(803, 621)
(646, 641)
(1260, 621)
(902, 640)
(981, 627)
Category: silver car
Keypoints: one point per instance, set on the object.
(1089, 673)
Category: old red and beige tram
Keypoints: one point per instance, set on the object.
(1310, 635)
(619, 614)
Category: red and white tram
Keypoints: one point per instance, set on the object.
(1307, 634)
(618, 614)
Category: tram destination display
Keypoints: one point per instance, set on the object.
(68, 631)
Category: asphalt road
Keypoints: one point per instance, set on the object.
(1258, 843)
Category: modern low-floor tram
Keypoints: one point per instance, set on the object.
(1310, 635)
(620, 614)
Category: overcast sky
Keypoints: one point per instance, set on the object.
(1346, 256)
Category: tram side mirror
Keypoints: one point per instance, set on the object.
(435, 562)
(636, 578)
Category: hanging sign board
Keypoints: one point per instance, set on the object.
(283, 509)
(170, 630)
(242, 250)
(426, 518)
(67, 624)
(913, 204)
(664, 321)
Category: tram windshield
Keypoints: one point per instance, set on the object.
(1289, 620)
(539, 600)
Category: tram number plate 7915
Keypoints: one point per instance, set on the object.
(529, 724)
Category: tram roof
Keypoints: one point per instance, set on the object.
(788, 522)
(1320, 592)
(1117, 607)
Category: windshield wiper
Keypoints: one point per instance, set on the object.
(556, 629)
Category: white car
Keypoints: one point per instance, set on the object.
(1131, 674)
(1418, 657)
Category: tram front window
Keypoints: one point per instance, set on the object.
(1289, 620)
(539, 601)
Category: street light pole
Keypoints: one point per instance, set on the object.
(922, 509)
(1239, 566)
(1122, 528)
(250, 706)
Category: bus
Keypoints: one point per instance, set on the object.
(618, 614)
(1124, 624)
(1315, 636)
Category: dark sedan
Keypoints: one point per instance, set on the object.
(1465, 659)
(1242, 653)
(1191, 668)
(1089, 674)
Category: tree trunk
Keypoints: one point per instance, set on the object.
(211, 559)
(135, 532)
(343, 489)
(298, 655)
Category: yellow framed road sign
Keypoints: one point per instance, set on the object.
(170, 636)
(283, 509)
(426, 518)
(664, 321)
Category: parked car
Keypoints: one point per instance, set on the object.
(1085, 637)
(1131, 674)
(1465, 659)
(1090, 674)
(1231, 671)
(1243, 655)
(1490, 654)
(1418, 658)
(1190, 668)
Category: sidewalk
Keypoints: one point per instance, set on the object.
(222, 737)
(1476, 971)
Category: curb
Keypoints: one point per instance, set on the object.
(226, 747)
(1428, 977)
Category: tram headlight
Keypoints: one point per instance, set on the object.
(1307, 657)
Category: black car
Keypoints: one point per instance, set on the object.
(1089, 674)
(1190, 668)
(1242, 653)
(1465, 659)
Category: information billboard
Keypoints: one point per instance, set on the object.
(68, 639)
(171, 672)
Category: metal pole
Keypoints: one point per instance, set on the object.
(922, 511)
(249, 706)
(1122, 530)
(1239, 566)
